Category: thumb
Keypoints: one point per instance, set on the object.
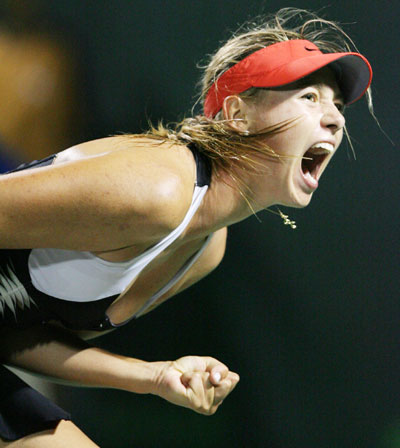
(217, 374)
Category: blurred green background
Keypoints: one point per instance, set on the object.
(309, 318)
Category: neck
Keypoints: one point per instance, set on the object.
(224, 204)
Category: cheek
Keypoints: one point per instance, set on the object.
(288, 142)
(265, 114)
(258, 121)
(281, 143)
(293, 135)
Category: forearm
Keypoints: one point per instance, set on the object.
(57, 354)
(198, 383)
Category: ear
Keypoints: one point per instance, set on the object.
(234, 110)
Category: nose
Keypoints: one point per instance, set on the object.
(332, 118)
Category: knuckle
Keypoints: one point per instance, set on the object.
(212, 410)
(226, 388)
(197, 404)
(208, 411)
(201, 409)
(195, 378)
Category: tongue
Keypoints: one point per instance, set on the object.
(310, 180)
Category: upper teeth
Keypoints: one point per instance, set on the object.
(323, 148)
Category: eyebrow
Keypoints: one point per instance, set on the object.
(337, 93)
(309, 81)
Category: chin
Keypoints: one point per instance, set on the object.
(295, 205)
(304, 205)
(298, 200)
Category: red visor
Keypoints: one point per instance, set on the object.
(285, 62)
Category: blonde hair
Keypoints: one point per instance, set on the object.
(213, 136)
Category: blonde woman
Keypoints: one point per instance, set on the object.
(103, 232)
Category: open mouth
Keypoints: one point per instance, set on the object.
(311, 163)
(313, 160)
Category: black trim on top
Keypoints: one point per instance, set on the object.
(203, 166)
(35, 164)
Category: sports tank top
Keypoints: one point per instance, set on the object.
(76, 287)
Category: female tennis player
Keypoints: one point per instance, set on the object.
(103, 232)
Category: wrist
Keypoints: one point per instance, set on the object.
(142, 377)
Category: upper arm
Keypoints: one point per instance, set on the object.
(208, 260)
(204, 265)
(98, 203)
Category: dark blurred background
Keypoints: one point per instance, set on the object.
(309, 318)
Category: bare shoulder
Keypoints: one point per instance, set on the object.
(151, 182)
(159, 178)
(102, 195)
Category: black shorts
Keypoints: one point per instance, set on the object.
(23, 410)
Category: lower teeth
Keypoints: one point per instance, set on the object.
(311, 179)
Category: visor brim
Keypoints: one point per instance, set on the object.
(353, 73)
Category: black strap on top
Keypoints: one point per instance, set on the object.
(203, 166)
(34, 164)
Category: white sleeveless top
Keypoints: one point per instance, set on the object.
(83, 277)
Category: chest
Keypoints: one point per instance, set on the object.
(160, 280)
(82, 277)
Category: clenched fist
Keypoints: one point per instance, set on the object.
(195, 382)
